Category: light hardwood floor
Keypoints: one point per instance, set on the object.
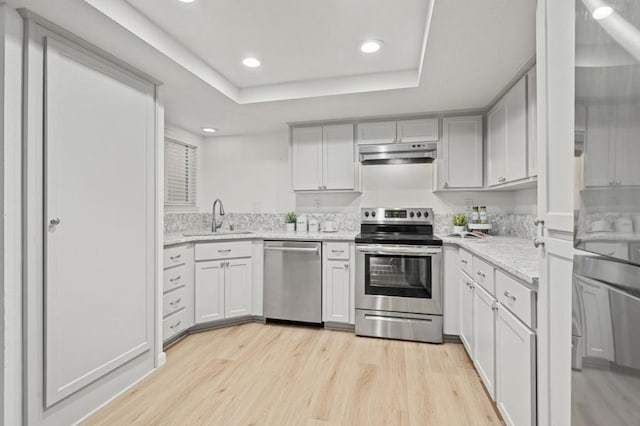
(256, 374)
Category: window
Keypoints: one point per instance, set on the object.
(180, 172)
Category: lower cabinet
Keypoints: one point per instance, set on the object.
(484, 307)
(467, 288)
(516, 370)
(223, 289)
(178, 291)
(338, 282)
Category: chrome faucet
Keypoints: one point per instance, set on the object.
(214, 222)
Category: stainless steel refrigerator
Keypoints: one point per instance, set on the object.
(606, 281)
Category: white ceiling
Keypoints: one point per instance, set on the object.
(474, 49)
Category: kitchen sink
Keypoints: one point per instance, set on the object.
(211, 234)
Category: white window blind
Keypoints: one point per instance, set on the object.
(180, 171)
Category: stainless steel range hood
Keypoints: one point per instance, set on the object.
(398, 153)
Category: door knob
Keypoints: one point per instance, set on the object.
(538, 243)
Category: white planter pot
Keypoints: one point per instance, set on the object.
(291, 227)
(458, 229)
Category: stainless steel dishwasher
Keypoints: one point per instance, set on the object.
(293, 281)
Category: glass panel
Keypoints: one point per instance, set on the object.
(405, 276)
(607, 128)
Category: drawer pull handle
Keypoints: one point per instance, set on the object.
(176, 325)
(337, 251)
(464, 261)
(175, 279)
(509, 296)
(177, 256)
(174, 303)
(481, 274)
(224, 251)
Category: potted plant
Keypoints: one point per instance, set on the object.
(459, 222)
(291, 221)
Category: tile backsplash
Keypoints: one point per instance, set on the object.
(519, 225)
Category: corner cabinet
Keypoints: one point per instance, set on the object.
(460, 162)
(323, 158)
(338, 282)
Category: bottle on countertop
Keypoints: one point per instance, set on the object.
(483, 215)
(475, 215)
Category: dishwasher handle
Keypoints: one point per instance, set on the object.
(294, 249)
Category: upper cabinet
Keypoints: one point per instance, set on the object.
(323, 158)
(511, 135)
(407, 131)
(459, 165)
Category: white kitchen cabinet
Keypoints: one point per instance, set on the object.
(484, 332)
(407, 131)
(377, 132)
(323, 158)
(467, 290)
(418, 130)
(210, 279)
(597, 329)
(515, 370)
(532, 123)
(461, 153)
(306, 158)
(238, 288)
(451, 290)
(338, 282)
(507, 147)
(178, 290)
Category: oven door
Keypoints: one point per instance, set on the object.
(399, 278)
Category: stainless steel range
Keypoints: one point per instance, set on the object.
(399, 275)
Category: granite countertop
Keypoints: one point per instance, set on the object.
(179, 237)
(516, 256)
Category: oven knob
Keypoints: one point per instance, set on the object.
(418, 214)
(366, 214)
(411, 214)
(373, 214)
(426, 214)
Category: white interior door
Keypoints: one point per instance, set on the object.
(98, 301)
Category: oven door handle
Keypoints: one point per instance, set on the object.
(399, 251)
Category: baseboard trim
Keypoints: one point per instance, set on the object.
(338, 326)
(451, 338)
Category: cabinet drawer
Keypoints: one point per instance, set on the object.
(174, 324)
(174, 301)
(483, 274)
(175, 255)
(465, 261)
(338, 251)
(232, 249)
(174, 278)
(517, 298)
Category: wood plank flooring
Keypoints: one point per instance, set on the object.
(257, 374)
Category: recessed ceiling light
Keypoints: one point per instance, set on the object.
(602, 12)
(208, 129)
(251, 62)
(371, 46)
(186, 1)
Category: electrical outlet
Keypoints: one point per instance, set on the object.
(316, 203)
(468, 204)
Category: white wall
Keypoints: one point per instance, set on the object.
(184, 136)
(11, 222)
(251, 173)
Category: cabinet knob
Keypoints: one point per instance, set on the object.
(509, 296)
(54, 222)
(538, 222)
(494, 306)
(538, 243)
(346, 266)
(446, 185)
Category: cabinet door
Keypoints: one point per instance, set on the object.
(485, 338)
(515, 370)
(209, 304)
(376, 132)
(339, 157)
(532, 123)
(237, 288)
(496, 144)
(420, 130)
(627, 145)
(599, 160)
(338, 292)
(466, 313)
(462, 152)
(597, 328)
(516, 155)
(451, 290)
(306, 158)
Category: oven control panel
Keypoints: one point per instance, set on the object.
(396, 215)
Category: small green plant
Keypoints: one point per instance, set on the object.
(291, 217)
(459, 220)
